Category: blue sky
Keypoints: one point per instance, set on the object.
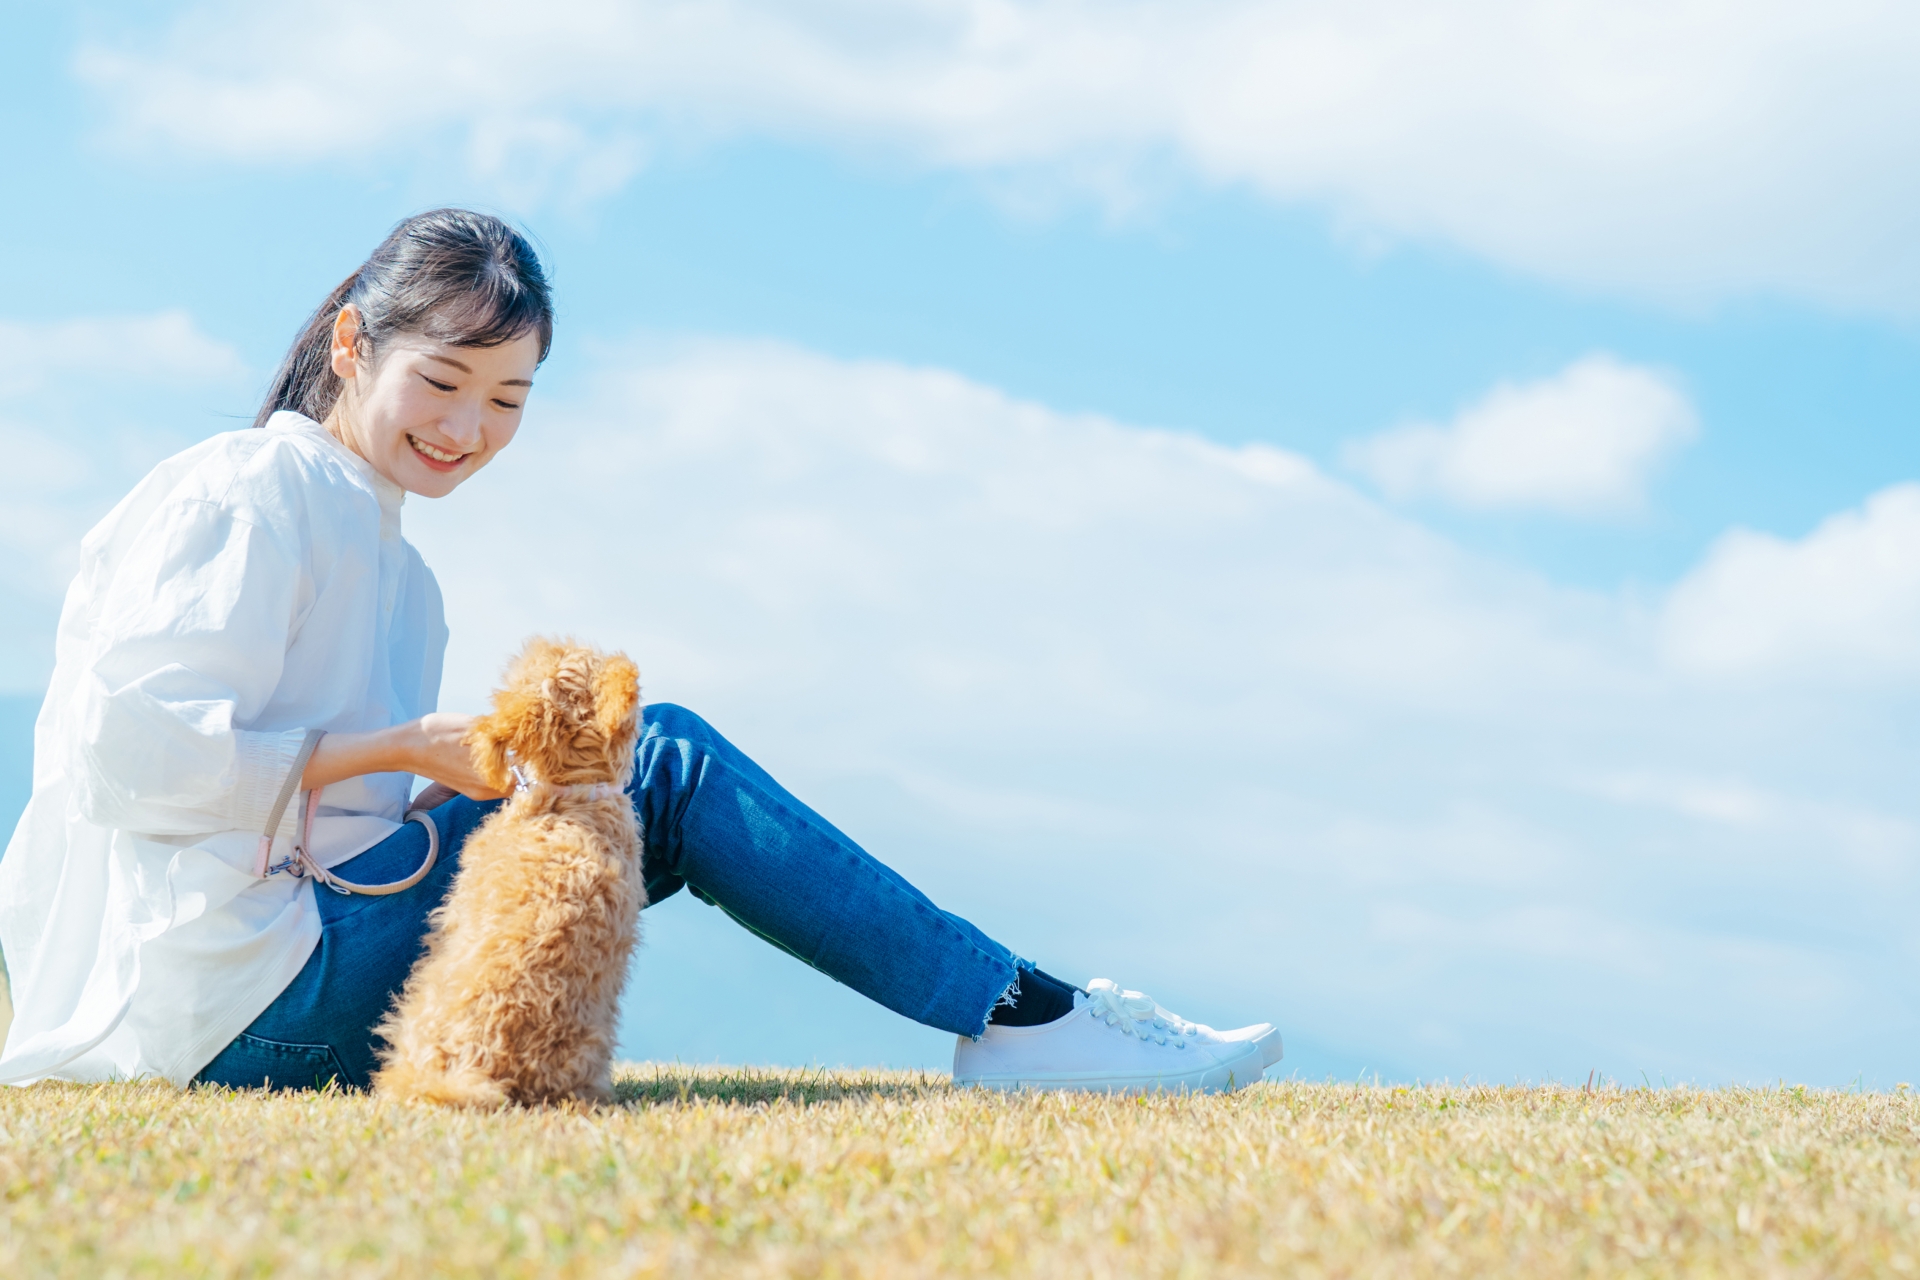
(929, 342)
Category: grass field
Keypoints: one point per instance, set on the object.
(714, 1172)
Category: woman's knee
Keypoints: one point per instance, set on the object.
(671, 720)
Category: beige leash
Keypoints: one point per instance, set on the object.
(300, 862)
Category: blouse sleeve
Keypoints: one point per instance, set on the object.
(189, 642)
(422, 621)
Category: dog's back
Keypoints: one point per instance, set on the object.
(516, 997)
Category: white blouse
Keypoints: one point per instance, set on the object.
(249, 589)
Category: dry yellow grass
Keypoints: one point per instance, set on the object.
(704, 1172)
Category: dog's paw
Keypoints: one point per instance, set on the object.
(467, 1089)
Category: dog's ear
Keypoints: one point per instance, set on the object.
(518, 706)
(616, 692)
(488, 742)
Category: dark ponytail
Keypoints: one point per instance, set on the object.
(463, 278)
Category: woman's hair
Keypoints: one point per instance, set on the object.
(458, 277)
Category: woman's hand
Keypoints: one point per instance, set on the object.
(439, 751)
(433, 747)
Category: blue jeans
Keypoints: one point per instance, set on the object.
(714, 822)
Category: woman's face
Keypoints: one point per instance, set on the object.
(427, 415)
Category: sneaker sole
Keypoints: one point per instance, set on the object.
(1223, 1077)
(1270, 1048)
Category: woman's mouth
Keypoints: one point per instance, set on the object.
(438, 459)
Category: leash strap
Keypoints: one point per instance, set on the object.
(335, 883)
(287, 788)
(301, 863)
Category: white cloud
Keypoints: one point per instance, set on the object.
(920, 494)
(1584, 441)
(1840, 605)
(165, 349)
(1681, 150)
(1237, 733)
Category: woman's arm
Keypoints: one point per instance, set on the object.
(432, 747)
(187, 642)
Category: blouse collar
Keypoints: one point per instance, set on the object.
(390, 494)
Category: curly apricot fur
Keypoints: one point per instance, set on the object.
(516, 996)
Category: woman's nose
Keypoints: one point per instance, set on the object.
(462, 426)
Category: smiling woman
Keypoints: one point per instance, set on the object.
(421, 360)
(249, 623)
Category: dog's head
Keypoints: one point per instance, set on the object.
(568, 712)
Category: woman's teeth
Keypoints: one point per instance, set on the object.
(438, 455)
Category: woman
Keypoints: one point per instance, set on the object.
(256, 587)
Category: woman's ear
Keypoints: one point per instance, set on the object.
(489, 750)
(616, 692)
(345, 352)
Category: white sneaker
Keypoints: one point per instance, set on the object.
(1263, 1036)
(1112, 1042)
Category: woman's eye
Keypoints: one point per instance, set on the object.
(506, 404)
(437, 385)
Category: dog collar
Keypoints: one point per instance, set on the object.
(523, 780)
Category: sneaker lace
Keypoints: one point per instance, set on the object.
(1134, 1013)
(1165, 1017)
